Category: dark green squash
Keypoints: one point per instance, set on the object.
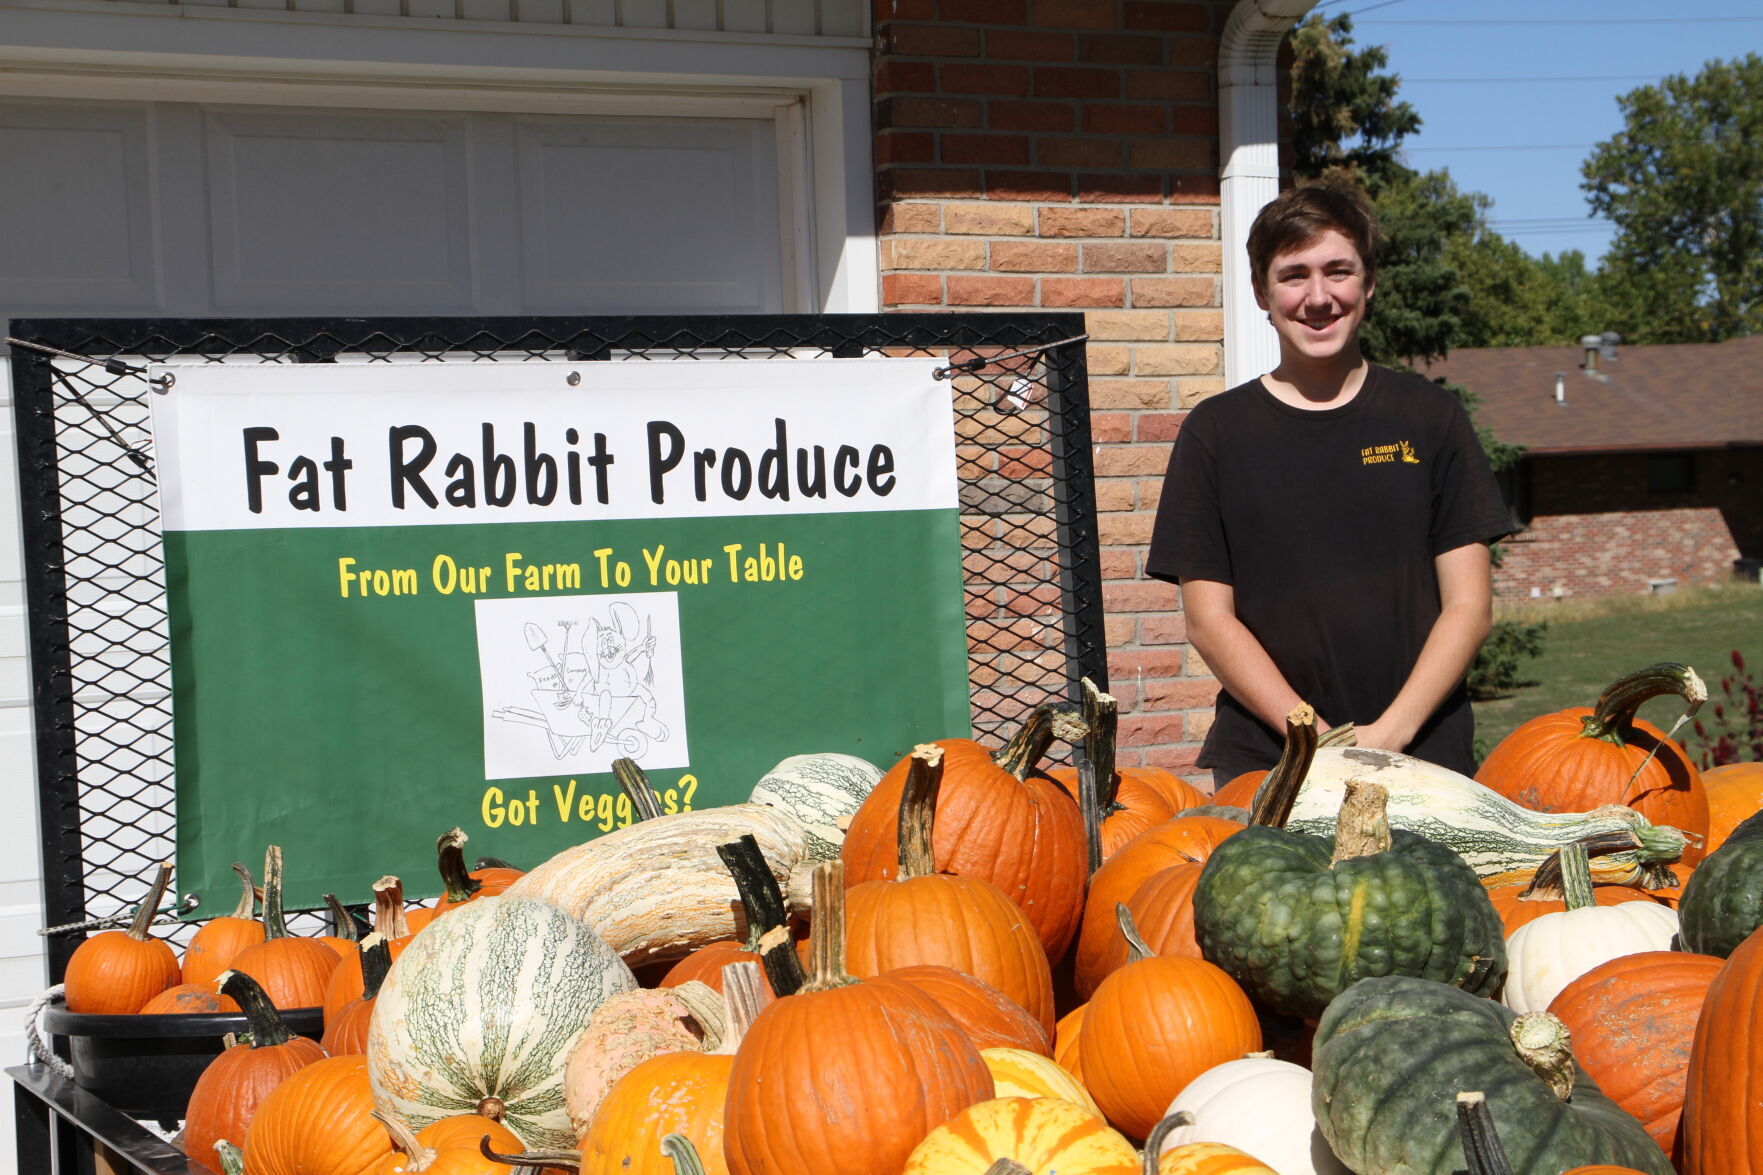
(1392, 1054)
(1296, 919)
(1723, 902)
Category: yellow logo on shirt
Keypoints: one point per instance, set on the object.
(1402, 451)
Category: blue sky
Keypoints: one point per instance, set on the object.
(1434, 44)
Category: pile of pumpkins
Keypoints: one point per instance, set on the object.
(1355, 962)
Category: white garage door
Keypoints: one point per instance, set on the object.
(179, 209)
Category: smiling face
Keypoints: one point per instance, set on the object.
(1316, 297)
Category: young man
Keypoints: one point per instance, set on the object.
(1329, 522)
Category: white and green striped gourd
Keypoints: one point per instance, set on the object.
(821, 790)
(486, 1003)
(1502, 841)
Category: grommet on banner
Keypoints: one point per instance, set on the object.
(981, 362)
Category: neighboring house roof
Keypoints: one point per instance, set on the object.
(1664, 396)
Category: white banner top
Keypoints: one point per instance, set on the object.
(275, 446)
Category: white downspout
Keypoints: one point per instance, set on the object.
(1248, 143)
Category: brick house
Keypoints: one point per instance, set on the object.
(1643, 465)
(274, 158)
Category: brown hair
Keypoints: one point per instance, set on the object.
(1295, 218)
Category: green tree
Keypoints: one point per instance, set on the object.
(1345, 113)
(1683, 183)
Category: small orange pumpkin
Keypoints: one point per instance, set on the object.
(345, 1031)
(293, 971)
(459, 885)
(228, 1093)
(218, 941)
(115, 973)
(188, 999)
(448, 1147)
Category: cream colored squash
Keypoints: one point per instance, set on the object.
(1259, 1105)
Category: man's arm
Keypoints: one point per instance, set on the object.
(1466, 613)
(1233, 654)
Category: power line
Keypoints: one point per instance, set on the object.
(1576, 23)
(1638, 77)
(1512, 147)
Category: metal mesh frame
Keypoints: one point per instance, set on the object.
(94, 574)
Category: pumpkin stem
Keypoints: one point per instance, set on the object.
(232, 1159)
(450, 856)
(1045, 722)
(827, 943)
(376, 964)
(706, 1006)
(1613, 716)
(417, 1156)
(388, 908)
(531, 1159)
(149, 907)
(491, 1107)
(762, 902)
(685, 1158)
(1481, 1142)
(1344, 735)
(267, 1026)
(1097, 783)
(1136, 947)
(742, 1000)
(1160, 1132)
(1363, 827)
(1576, 876)
(783, 966)
(1545, 883)
(635, 784)
(918, 811)
(275, 923)
(1544, 1044)
(343, 923)
(1007, 1166)
(247, 907)
(1279, 791)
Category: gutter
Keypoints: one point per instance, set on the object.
(1248, 143)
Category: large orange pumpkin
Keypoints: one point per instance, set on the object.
(1584, 757)
(923, 916)
(319, 1121)
(846, 1076)
(999, 819)
(227, 1094)
(1722, 1131)
(1128, 799)
(1179, 840)
(293, 971)
(1633, 1020)
(991, 1018)
(115, 973)
(1155, 1025)
(218, 941)
(1735, 794)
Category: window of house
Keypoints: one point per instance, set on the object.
(1670, 473)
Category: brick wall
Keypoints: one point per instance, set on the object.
(1595, 529)
(1062, 154)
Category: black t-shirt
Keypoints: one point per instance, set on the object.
(1326, 523)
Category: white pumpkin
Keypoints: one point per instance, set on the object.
(821, 790)
(487, 1002)
(1260, 1106)
(1544, 955)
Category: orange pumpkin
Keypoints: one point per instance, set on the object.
(1735, 794)
(1633, 1020)
(345, 1031)
(1515, 909)
(991, 1019)
(999, 819)
(1722, 1131)
(922, 916)
(448, 1147)
(461, 886)
(188, 999)
(346, 983)
(1239, 792)
(1584, 757)
(1155, 1025)
(1129, 799)
(1066, 1035)
(293, 971)
(228, 1093)
(319, 1122)
(218, 941)
(845, 1077)
(115, 973)
(1176, 841)
(1163, 910)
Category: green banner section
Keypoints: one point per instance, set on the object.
(352, 693)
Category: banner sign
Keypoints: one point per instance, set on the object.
(405, 597)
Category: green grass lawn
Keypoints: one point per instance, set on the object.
(1590, 643)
